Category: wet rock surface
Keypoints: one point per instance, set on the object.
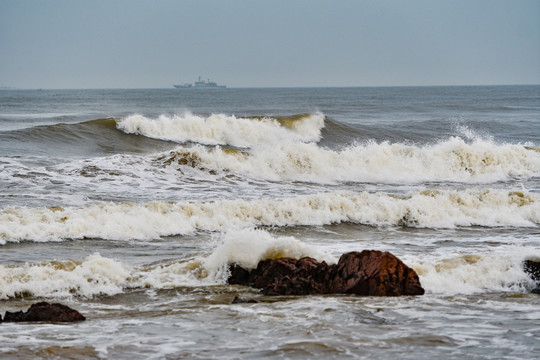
(532, 268)
(44, 311)
(369, 272)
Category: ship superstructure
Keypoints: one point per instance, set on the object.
(200, 84)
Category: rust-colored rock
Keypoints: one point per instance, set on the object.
(374, 273)
(367, 273)
(44, 311)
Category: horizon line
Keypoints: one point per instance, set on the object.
(261, 87)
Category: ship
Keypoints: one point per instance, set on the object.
(200, 84)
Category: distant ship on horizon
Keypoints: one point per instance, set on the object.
(201, 84)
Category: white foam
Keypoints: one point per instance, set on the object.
(248, 247)
(93, 276)
(475, 273)
(97, 275)
(450, 160)
(447, 274)
(219, 129)
(131, 221)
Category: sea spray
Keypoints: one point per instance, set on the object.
(469, 273)
(247, 247)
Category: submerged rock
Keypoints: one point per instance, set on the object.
(239, 300)
(367, 273)
(44, 311)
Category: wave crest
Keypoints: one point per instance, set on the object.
(220, 129)
(127, 221)
(450, 160)
(95, 275)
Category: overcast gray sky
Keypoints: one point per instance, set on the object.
(251, 43)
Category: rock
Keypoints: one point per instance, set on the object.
(367, 273)
(532, 268)
(238, 300)
(288, 276)
(374, 273)
(238, 275)
(44, 311)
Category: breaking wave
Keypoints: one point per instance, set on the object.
(96, 275)
(151, 220)
(476, 273)
(219, 129)
(454, 159)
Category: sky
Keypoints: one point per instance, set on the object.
(250, 43)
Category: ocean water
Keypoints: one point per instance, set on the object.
(127, 205)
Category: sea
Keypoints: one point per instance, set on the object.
(130, 205)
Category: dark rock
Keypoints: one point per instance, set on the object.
(367, 273)
(238, 300)
(532, 268)
(288, 276)
(44, 311)
(239, 275)
(14, 316)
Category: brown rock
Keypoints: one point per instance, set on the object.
(374, 273)
(367, 273)
(287, 276)
(44, 311)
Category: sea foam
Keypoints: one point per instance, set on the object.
(443, 274)
(470, 273)
(428, 208)
(452, 159)
(92, 276)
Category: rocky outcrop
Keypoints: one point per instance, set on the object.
(368, 272)
(44, 311)
(374, 273)
(532, 268)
